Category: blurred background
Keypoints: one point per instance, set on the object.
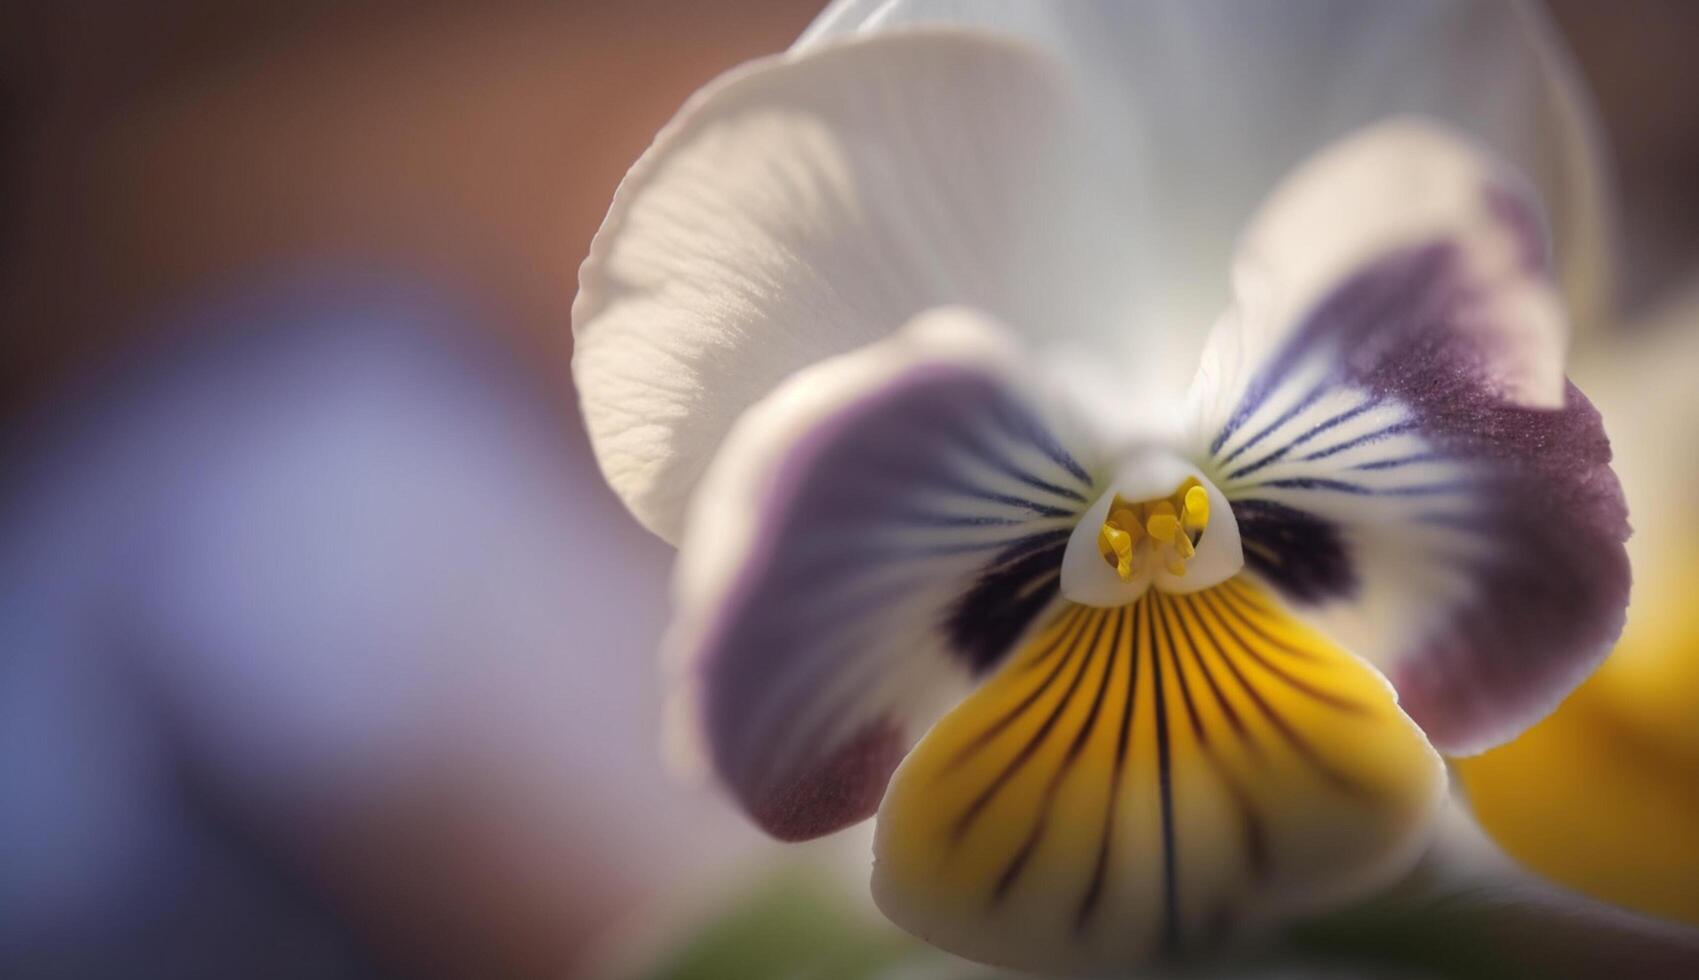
(326, 651)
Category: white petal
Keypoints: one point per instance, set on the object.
(1215, 100)
(804, 206)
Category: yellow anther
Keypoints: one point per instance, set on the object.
(1117, 548)
(1162, 524)
(1195, 516)
(1172, 526)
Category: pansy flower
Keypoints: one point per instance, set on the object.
(1137, 622)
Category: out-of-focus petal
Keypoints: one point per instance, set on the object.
(1468, 911)
(1150, 777)
(1643, 385)
(1209, 102)
(806, 205)
(879, 530)
(1588, 799)
(1602, 795)
(1386, 409)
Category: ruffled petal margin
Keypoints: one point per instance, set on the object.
(805, 205)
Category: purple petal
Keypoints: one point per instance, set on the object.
(1397, 467)
(906, 517)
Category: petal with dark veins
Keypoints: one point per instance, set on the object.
(876, 534)
(1149, 778)
(1386, 409)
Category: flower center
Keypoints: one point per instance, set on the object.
(1159, 523)
(1166, 530)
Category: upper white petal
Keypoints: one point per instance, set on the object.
(1214, 100)
(806, 205)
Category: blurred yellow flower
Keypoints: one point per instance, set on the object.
(1603, 795)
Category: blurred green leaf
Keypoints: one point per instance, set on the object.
(789, 927)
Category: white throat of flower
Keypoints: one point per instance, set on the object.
(1159, 523)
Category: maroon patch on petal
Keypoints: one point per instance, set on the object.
(1551, 600)
(1547, 573)
(844, 789)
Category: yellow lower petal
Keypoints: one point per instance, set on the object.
(1142, 778)
(1603, 795)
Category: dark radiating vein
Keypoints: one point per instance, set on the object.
(1329, 698)
(1039, 436)
(1399, 461)
(973, 438)
(921, 518)
(1165, 780)
(1233, 719)
(904, 473)
(1121, 646)
(1038, 738)
(1262, 604)
(1066, 635)
(1385, 432)
(1316, 430)
(1016, 546)
(1013, 871)
(1336, 420)
(1297, 741)
(1198, 732)
(1038, 541)
(1263, 463)
(1015, 472)
(1250, 820)
(1322, 484)
(1280, 420)
(1069, 620)
(959, 486)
